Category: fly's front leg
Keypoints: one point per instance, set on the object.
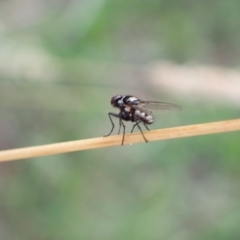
(114, 115)
(120, 123)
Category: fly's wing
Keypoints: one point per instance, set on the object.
(145, 106)
(160, 105)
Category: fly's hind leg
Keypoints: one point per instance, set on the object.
(146, 126)
(134, 127)
(137, 124)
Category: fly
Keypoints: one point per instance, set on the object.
(136, 110)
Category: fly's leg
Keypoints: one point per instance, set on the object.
(146, 126)
(134, 126)
(137, 124)
(142, 132)
(120, 123)
(110, 117)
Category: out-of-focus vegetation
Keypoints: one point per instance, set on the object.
(60, 63)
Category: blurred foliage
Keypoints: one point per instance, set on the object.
(58, 62)
(139, 31)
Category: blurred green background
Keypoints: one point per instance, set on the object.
(60, 64)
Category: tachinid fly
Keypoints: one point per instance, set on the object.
(137, 111)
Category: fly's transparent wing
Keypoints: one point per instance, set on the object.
(146, 106)
(159, 105)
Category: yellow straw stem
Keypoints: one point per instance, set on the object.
(160, 134)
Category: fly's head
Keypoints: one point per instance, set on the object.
(116, 101)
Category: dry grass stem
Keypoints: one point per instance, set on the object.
(161, 134)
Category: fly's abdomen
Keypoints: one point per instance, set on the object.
(142, 116)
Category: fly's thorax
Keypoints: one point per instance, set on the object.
(120, 101)
(130, 100)
(146, 118)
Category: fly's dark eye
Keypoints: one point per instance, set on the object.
(115, 100)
